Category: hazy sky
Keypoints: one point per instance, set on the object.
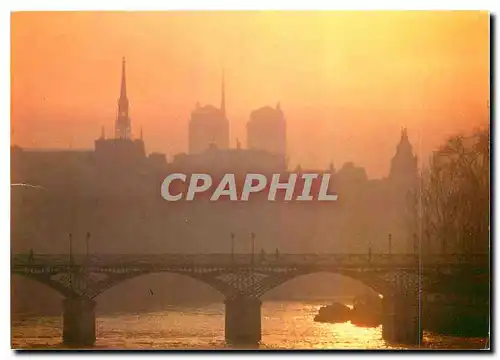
(347, 81)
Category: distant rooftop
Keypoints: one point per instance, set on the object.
(206, 109)
(55, 150)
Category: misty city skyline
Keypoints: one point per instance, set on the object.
(348, 103)
(160, 164)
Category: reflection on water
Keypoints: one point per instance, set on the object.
(285, 325)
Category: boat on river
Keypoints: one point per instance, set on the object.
(334, 313)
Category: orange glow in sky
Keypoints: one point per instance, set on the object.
(347, 81)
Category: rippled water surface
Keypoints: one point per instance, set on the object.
(285, 325)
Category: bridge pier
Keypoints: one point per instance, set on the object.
(243, 321)
(401, 319)
(78, 321)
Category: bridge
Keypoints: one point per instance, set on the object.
(244, 278)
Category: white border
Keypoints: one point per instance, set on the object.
(252, 5)
(7, 7)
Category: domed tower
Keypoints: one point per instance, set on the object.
(402, 195)
(403, 173)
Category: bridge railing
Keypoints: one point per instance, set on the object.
(249, 259)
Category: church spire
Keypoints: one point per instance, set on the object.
(223, 95)
(123, 90)
(122, 125)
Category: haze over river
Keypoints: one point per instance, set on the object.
(285, 325)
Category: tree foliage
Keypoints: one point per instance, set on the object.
(454, 196)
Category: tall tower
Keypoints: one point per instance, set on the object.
(266, 130)
(209, 126)
(402, 196)
(404, 164)
(122, 126)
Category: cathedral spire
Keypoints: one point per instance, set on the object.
(122, 125)
(123, 90)
(223, 95)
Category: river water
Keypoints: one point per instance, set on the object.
(285, 325)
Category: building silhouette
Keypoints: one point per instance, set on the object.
(403, 171)
(218, 162)
(209, 125)
(266, 130)
(105, 179)
(403, 195)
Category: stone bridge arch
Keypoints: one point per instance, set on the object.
(382, 282)
(79, 282)
(120, 278)
(46, 280)
(374, 283)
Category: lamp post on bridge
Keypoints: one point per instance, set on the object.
(252, 236)
(369, 250)
(232, 248)
(87, 240)
(415, 244)
(70, 249)
(390, 244)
